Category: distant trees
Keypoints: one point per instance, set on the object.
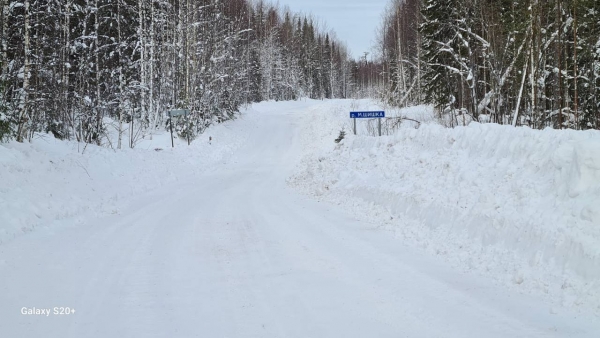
(81, 68)
(532, 62)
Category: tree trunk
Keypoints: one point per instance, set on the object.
(98, 104)
(533, 53)
(142, 46)
(575, 75)
(516, 117)
(559, 56)
(66, 66)
(4, 41)
(25, 89)
(121, 85)
(153, 113)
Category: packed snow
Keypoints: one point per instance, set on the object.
(51, 183)
(272, 229)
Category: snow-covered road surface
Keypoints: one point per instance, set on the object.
(235, 252)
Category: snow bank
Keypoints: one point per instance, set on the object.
(520, 205)
(50, 182)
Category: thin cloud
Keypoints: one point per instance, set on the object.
(354, 21)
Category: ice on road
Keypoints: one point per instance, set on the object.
(235, 252)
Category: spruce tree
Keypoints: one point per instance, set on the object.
(437, 32)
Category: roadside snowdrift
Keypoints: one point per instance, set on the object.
(51, 183)
(518, 204)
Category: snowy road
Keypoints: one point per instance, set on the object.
(237, 253)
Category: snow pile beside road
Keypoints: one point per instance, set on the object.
(520, 205)
(51, 182)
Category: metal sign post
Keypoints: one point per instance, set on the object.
(175, 113)
(368, 115)
(171, 126)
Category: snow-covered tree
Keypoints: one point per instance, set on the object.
(84, 69)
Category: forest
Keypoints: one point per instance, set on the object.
(532, 63)
(80, 69)
(83, 69)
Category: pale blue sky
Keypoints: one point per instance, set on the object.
(354, 21)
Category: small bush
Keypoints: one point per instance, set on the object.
(5, 130)
(341, 136)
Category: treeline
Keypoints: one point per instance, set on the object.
(532, 62)
(81, 68)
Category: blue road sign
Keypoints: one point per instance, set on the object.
(367, 114)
